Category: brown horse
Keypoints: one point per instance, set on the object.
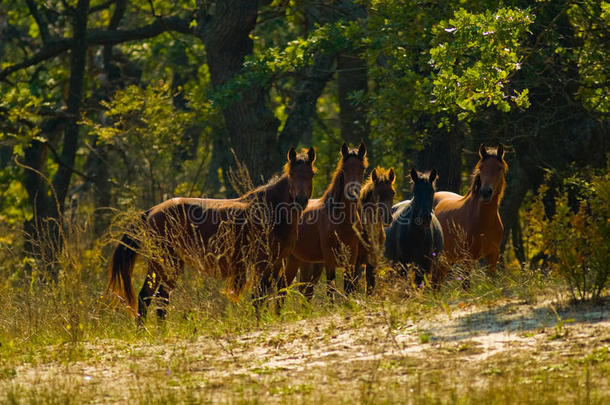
(242, 240)
(472, 227)
(330, 226)
(375, 209)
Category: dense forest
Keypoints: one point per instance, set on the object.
(109, 107)
(117, 104)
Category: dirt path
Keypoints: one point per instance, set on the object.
(338, 355)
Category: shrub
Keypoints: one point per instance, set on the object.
(576, 236)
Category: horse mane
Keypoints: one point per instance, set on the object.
(491, 154)
(425, 176)
(264, 191)
(302, 158)
(335, 188)
(335, 185)
(383, 176)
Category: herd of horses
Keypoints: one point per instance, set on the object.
(265, 238)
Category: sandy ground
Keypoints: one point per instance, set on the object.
(348, 349)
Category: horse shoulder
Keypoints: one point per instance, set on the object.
(437, 234)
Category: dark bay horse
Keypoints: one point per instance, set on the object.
(471, 224)
(415, 235)
(375, 207)
(242, 240)
(330, 226)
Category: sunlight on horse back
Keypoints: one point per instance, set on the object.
(242, 240)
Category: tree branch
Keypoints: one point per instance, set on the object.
(60, 162)
(105, 37)
(101, 6)
(42, 26)
(113, 37)
(50, 50)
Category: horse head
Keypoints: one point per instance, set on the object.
(489, 179)
(383, 183)
(353, 164)
(423, 196)
(300, 170)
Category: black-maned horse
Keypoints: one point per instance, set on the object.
(415, 235)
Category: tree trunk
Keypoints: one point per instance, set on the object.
(517, 185)
(78, 62)
(352, 78)
(443, 152)
(251, 125)
(45, 227)
(299, 125)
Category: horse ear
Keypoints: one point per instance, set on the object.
(392, 175)
(501, 152)
(312, 154)
(344, 151)
(292, 155)
(414, 175)
(361, 151)
(432, 176)
(374, 176)
(482, 151)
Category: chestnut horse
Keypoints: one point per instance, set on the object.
(242, 240)
(415, 235)
(375, 207)
(330, 226)
(471, 224)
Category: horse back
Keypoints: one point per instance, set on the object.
(396, 232)
(446, 197)
(204, 216)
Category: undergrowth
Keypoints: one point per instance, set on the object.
(69, 321)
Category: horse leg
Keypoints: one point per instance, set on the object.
(148, 290)
(285, 279)
(438, 275)
(370, 279)
(349, 279)
(330, 281)
(492, 262)
(163, 300)
(423, 270)
(167, 284)
(309, 276)
(262, 289)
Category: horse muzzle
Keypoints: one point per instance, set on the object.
(352, 193)
(486, 194)
(422, 220)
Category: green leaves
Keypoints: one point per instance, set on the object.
(262, 69)
(473, 59)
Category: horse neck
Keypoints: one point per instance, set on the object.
(275, 193)
(413, 227)
(368, 215)
(334, 191)
(481, 209)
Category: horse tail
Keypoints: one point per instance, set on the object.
(121, 267)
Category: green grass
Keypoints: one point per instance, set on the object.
(65, 343)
